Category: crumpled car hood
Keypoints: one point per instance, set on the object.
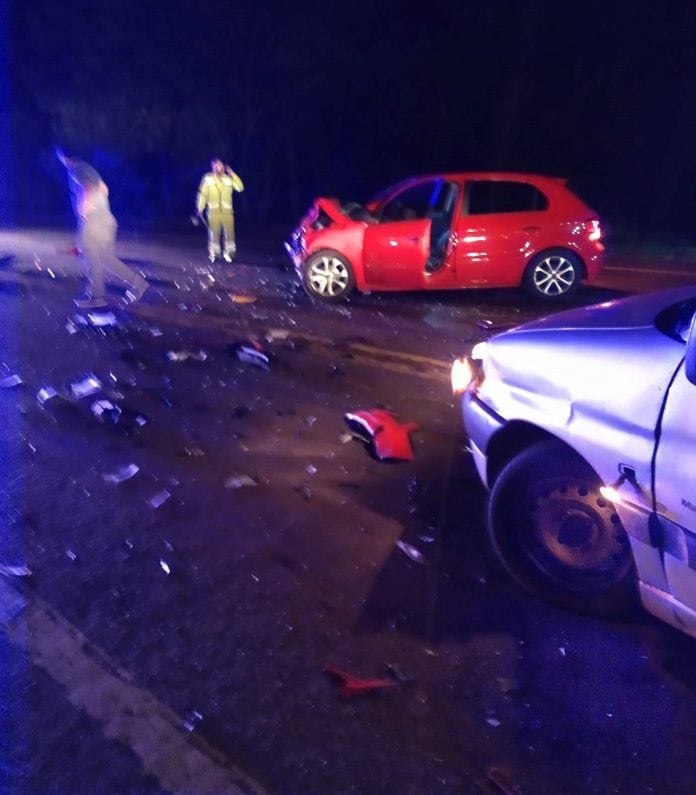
(579, 372)
(332, 207)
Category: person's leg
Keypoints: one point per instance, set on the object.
(119, 270)
(104, 249)
(214, 230)
(230, 243)
(91, 260)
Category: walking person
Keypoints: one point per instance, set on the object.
(215, 199)
(97, 227)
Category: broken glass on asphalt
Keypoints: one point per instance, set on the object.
(411, 551)
(239, 481)
(10, 381)
(106, 411)
(249, 353)
(182, 356)
(46, 393)
(121, 474)
(159, 499)
(88, 386)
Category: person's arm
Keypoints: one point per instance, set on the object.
(237, 183)
(202, 197)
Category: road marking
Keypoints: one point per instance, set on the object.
(652, 271)
(370, 355)
(182, 763)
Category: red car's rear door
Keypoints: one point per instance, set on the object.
(490, 249)
(497, 231)
(395, 254)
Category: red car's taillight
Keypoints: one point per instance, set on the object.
(595, 231)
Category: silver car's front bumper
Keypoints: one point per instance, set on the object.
(481, 424)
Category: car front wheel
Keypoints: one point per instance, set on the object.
(328, 275)
(557, 536)
(553, 274)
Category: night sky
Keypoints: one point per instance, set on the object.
(310, 98)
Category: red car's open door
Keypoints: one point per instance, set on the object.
(395, 254)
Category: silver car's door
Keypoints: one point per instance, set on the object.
(675, 493)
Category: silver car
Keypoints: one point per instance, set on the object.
(583, 427)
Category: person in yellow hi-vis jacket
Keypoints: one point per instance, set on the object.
(215, 200)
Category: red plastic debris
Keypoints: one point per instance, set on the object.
(388, 436)
(350, 685)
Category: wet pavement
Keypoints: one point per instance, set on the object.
(197, 563)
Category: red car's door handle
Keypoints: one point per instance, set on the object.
(413, 239)
(531, 229)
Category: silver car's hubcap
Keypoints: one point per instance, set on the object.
(576, 534)
(554, 275)
(328, 276)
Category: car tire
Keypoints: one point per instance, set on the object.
(557, 536)
(553, 275)
(328, 275)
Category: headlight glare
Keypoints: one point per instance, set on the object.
(463, 374)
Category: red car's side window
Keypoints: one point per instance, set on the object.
(488, 197)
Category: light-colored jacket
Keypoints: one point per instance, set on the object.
(215, 193)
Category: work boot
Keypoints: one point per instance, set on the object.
(211, 258)
(227, 256)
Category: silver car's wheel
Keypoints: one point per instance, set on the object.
(556, 534)
(553, 274)
(328, 275)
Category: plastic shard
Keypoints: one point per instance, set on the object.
(249, 353)
(159, 499)
(411, 551)
(380, 428)
(10, 381)
(88, 386)
(239, 481)
(350, 685)
(121, 474)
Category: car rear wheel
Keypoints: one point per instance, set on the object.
(553, 274)
(557, 536)
(328, 275)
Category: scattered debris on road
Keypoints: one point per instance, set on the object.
(10, 381)
(388, 438)
(166, 568)
(45, 394)
(182, 356)
(121, 474)
(88, 386)
(159, 499)
(15, 571)
(239, 481)
(350, 685)
(411, 551)
(249, 353)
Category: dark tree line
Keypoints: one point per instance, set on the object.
(304, 98)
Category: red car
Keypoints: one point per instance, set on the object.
(450, 231)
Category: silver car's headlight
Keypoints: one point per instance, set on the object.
(468, 370)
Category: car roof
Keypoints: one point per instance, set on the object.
(514, 176)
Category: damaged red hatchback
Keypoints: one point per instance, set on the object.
(451, 231)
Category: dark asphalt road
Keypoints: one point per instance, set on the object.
(111, 657)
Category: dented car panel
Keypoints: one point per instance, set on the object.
(609, 383)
